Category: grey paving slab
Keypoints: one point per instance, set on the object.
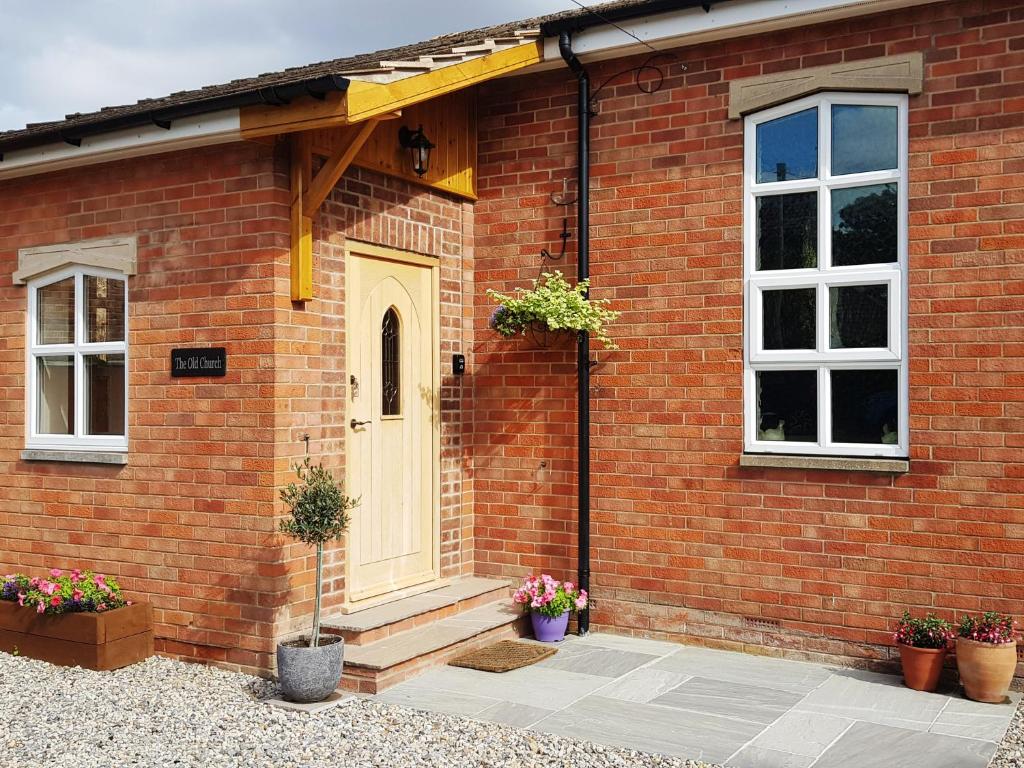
(433, 700)
(742, 711)
(880, 678)
(650, 728)
(717, 697)
(642, 685)
(802, 733)
(857, 699)
(959, 704)
(975, 720)
(759, 757)
(869, 745)
(510, 713)
(780, 674)
(529, 685)
(626, 643)
(592, 660)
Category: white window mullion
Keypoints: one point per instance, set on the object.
(824, 407)
(822, 318)
(79, 370)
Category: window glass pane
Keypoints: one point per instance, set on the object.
(104, 394)
(55, 305)
(55, 390)
(391, 392)
(787, 231)
(864, 225)
(787, 147)
(788, 319)
(865, 407)
(104, 309)
(787, 405)
(864, 138)
(858, 316)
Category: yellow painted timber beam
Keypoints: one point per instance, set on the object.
(366, 100)
(304, 114)
(333, 169)
(301, 172)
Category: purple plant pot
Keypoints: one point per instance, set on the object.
(549, 630)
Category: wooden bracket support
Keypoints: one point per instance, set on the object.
(308, 193)
(301, 219)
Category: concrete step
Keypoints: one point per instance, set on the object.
(375, 666)
(381, 621)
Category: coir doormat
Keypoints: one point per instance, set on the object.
(503, 656)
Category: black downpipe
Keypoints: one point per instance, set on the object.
(583, 340)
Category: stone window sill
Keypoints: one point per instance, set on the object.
(842, 463)
(80, 457)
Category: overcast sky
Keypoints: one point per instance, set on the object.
(59, 56)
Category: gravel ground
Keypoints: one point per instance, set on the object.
(1010, 753)
(168, 713)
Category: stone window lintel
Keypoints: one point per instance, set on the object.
(903, 73)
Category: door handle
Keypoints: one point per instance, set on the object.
(355, 423)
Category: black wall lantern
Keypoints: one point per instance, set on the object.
(419, 146)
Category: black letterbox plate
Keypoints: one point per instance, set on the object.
(209, 361)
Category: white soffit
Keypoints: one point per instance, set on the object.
(184, 133)
(725, 20)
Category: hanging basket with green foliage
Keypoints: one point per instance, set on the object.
(554, 304)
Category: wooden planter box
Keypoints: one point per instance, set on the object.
(98, 641)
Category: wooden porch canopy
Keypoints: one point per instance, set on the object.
(342, 127)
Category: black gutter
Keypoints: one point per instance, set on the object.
(583, 338)
(276, 95)
(580, 20)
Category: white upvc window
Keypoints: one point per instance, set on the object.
(825, 277)
(77, 360)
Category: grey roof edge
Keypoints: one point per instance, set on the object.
(605, 14)
(278, 87)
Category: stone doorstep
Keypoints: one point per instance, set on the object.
(380, 665)
(382, 621)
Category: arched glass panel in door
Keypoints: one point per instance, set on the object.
(390, 359)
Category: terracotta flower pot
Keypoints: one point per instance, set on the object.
(922, 667)
(986, 669)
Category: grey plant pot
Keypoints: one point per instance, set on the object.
(310, 674)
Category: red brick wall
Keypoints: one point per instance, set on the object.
(185, 523)
(684, 540)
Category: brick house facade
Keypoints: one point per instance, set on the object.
(687, 542)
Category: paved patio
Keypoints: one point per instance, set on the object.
(739, 710)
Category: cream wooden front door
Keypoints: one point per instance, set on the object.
(393, 424)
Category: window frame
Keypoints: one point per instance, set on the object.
(821, 277)
(78, 349)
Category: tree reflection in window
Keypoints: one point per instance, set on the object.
(390, 358)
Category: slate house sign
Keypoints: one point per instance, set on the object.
(212, 361)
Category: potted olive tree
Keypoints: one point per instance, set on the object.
(309, 669)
